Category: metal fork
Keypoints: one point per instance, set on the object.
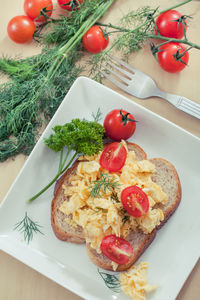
(142, 86)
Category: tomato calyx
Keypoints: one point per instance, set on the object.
(179, 55)
(154, 50)
(73, 4)
(44, 13)
(125, 118)
(182, 20)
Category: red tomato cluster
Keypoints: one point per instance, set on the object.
(21, 28)
(172, 56)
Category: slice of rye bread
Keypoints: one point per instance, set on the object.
(167, 177)
(61, 228)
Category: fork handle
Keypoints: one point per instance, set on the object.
(181, 103)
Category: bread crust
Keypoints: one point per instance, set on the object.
(70, 235)
(139, 240)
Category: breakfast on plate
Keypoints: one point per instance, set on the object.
(115, 201)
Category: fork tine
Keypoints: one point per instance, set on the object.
(114, 81)
(125, 80)
(130, 75)
(123, 63)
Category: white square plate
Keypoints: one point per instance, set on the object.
(175, 250)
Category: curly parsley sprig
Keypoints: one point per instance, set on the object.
(78, 136)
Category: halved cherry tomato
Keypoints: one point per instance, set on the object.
(135, 201)
(33, 7)
(113, 157)
(70, 4)
(95, 40)
(119, 125)
(116, 249)
(168, 54)
(21, 29)
(172, 24)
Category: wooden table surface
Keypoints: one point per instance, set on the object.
(18, 281)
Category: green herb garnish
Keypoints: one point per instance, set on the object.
(111, 281)
(28, 227)
(105, 182)
(80, 137)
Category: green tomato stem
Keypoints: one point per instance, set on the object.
(167, 39)
(53, 180)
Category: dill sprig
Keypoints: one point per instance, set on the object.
(28, 227)
(105, 182)
(98, 116)
(111, 281)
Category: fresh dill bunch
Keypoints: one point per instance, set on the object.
(16, 68)
(79, 137)
(25, 99)
(105, 182)
(39, 83)
(28, 227)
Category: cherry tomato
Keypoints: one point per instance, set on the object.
(70, 4)
(167, 57)
(116, 249)
(113, 157)
(119, 125)
(33, 7)
(171, 23)
(21, 29)
(95, 40)
(135, 201)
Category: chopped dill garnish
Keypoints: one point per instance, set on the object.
(100, 209)
(111, 281)
(28, 227)
(115, 197)
(126, 216)
(105, 182)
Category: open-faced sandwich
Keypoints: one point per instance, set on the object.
(115, 202)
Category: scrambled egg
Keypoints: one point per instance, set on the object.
(103, 215)
(134, 282)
